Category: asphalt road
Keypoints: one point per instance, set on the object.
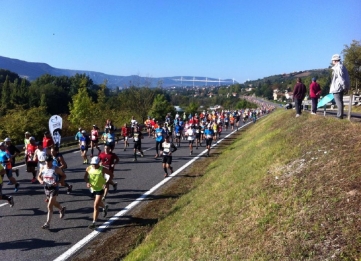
(22, 237)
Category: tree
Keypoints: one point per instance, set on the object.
(137, 101)
(192, 107)
(82, 109)
(18, 120)
(5, 96)
(352, 61)
(161, 107)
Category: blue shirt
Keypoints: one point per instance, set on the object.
(159, 133)
(208, 133)
(4, 158)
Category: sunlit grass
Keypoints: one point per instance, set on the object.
(277, 193)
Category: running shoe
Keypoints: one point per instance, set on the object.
(92, 226)
(33, 180)
(45, 226)
(11, 201)
(135, 160)
(142, 155)
(10, 183)
(62, 212)
(115, 186)
(17, 172)
(16, 187)
(105, 211)
(70, 189)
(166, 175)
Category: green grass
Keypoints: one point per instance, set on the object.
(279, 192)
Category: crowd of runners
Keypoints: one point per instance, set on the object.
(47, 165)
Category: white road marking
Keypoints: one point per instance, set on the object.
(4, 204)
(71, 251)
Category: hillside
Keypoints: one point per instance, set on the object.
(32, 71)
(286, 189)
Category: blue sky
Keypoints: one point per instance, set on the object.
(221, 39)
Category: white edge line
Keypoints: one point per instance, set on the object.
(71, 251)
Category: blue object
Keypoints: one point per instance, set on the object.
(328, 98)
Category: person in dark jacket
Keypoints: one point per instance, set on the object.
(299, 93)
(315, 91)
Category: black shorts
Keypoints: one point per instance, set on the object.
(198, 136)
(99, 192)
(30, 166)
(208, 142)
(190, 141)
(51, 191)
(226, 123)
(95, 141)
(167, 159)
(137, 145)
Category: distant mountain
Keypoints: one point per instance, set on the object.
(32, 71)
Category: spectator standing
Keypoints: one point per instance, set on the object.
(315, 91)
(340, 83)
(299, 93)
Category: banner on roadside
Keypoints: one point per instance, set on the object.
(55, 127)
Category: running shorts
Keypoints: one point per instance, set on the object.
(167, 159)
(51, 191)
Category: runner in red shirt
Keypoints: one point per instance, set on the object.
(125, 134)
(31, 161)
(47, 141)
(108, 159)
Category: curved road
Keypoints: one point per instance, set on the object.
(22, 237)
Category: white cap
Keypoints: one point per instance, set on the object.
(94, 160)
(335, 57)
(31, 138)
(83, 131)
(7, 139)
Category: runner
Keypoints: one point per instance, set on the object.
(231, 121)
(168, 149)
(96, 181)
(3, 196)
(94, 139)
(40, 155)
(108, 159)
(50, 176)
(78, 135)
(191, 134)
(31, 161)
(208, 133)
(5, 160)
(148, 125)
(14, 152)
(177, 133)
(137, 138)
(198, 130)
(59, 161)
(110, 139)
(47, 140)
(125, 134)
(215, 129)
(132, 124)
(84, 141)
(26, 142)
(160, 134)
(238, 119)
